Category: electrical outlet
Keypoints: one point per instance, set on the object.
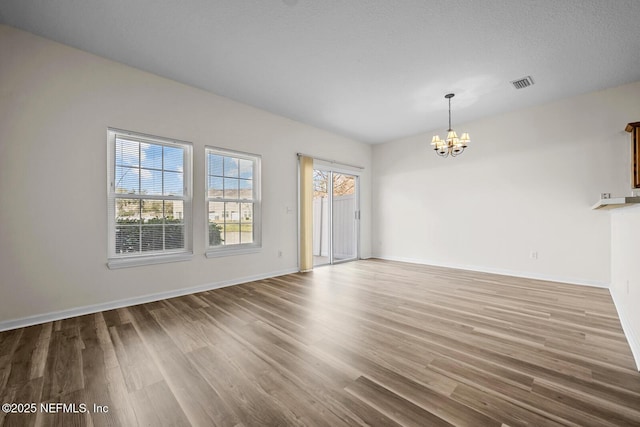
(627, 287)
(533, 255)
(279, 254)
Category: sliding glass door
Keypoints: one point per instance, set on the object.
(335, 217)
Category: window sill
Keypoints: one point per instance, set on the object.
(229, 251)
(116, 263)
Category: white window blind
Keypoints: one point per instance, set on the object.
(149, 198)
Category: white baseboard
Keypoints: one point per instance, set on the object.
(89, 309)
(632, 337)
(502, 272)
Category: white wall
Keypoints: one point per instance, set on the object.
(526, 183)
(625, 272)
(56, 103)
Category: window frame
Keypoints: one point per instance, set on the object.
(115, 260)
(240, 248)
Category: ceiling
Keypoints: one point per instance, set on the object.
(373, 70)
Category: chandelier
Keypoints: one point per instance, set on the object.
(452, 145)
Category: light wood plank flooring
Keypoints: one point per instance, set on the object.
(365, 343)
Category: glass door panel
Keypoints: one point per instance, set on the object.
(344, 206)
(321, 218)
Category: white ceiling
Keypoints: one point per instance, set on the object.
(374, 70)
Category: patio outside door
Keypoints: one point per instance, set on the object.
(335, 217)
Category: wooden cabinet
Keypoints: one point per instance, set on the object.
(634, 129)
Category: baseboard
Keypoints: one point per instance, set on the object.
(501, 272)
(632, 338)
(95, 308)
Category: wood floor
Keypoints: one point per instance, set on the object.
(364, 343)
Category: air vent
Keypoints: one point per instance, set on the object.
(523, 82)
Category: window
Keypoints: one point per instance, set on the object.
(149, 199)
(233, 202)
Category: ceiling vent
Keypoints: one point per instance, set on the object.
(523, 82)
